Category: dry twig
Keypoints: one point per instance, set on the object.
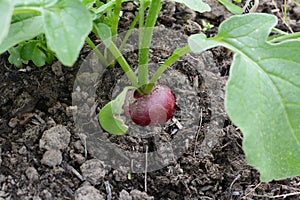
(279, 15)
(146, 168)
(198, 131)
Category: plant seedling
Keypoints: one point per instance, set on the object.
(263, 90)
(262, 93)
(41, 31)
(145, 102)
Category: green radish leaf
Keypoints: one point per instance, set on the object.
(106, 7)
(88, 3)
(107, 115)
(18, 18)
(198, 47)
(67, 24)
(108, 19)
(6, 10)
(21, 31)
(103, 8)
(104, 33)
(196, 5)
(262, 93)
(234, 9)
(31, 51)
(38, 3)
(98, 3)
(38, 57)
(15, 56)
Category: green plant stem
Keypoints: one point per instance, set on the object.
(174, 57)
(276, 30)
(141, 14)
(286, 37)
(123, 63)
(295, 2)
(103, 8)
(114, 27)
(99, 54)
(280, 33)
(115, 21)
(128, 33)
(284, 11)
(145, 37)
(142, 68)
(154, 10)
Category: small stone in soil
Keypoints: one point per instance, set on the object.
(93, 171)
(32, 174)
(136, 194)
(70, 110)
(78, 146)
(46, 195)
(13, 122)
(57, 69)
(52, 158)
(57, 137)
(120, 174)
(80, 159)
(124, 195)
(23, 150)
(87, 193)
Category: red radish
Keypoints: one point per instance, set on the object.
(154, 108)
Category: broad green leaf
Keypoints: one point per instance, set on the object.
(38, 3)
(18, 18)
(31, 51)
(67, 24)
(198, 47)
(21, 31)
(15, 56)
(196, 5)
(6, 10)
(108, 115)
(38, 57)
(262, 93)
(231, 7)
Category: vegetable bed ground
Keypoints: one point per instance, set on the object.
(33, 101)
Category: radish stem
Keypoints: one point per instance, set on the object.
(176, 54)
(145, 37)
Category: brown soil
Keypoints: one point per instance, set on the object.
(40, 159)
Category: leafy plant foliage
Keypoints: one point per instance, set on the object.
(262, 93)
(65, 23)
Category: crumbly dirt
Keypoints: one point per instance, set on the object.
(44, 156)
